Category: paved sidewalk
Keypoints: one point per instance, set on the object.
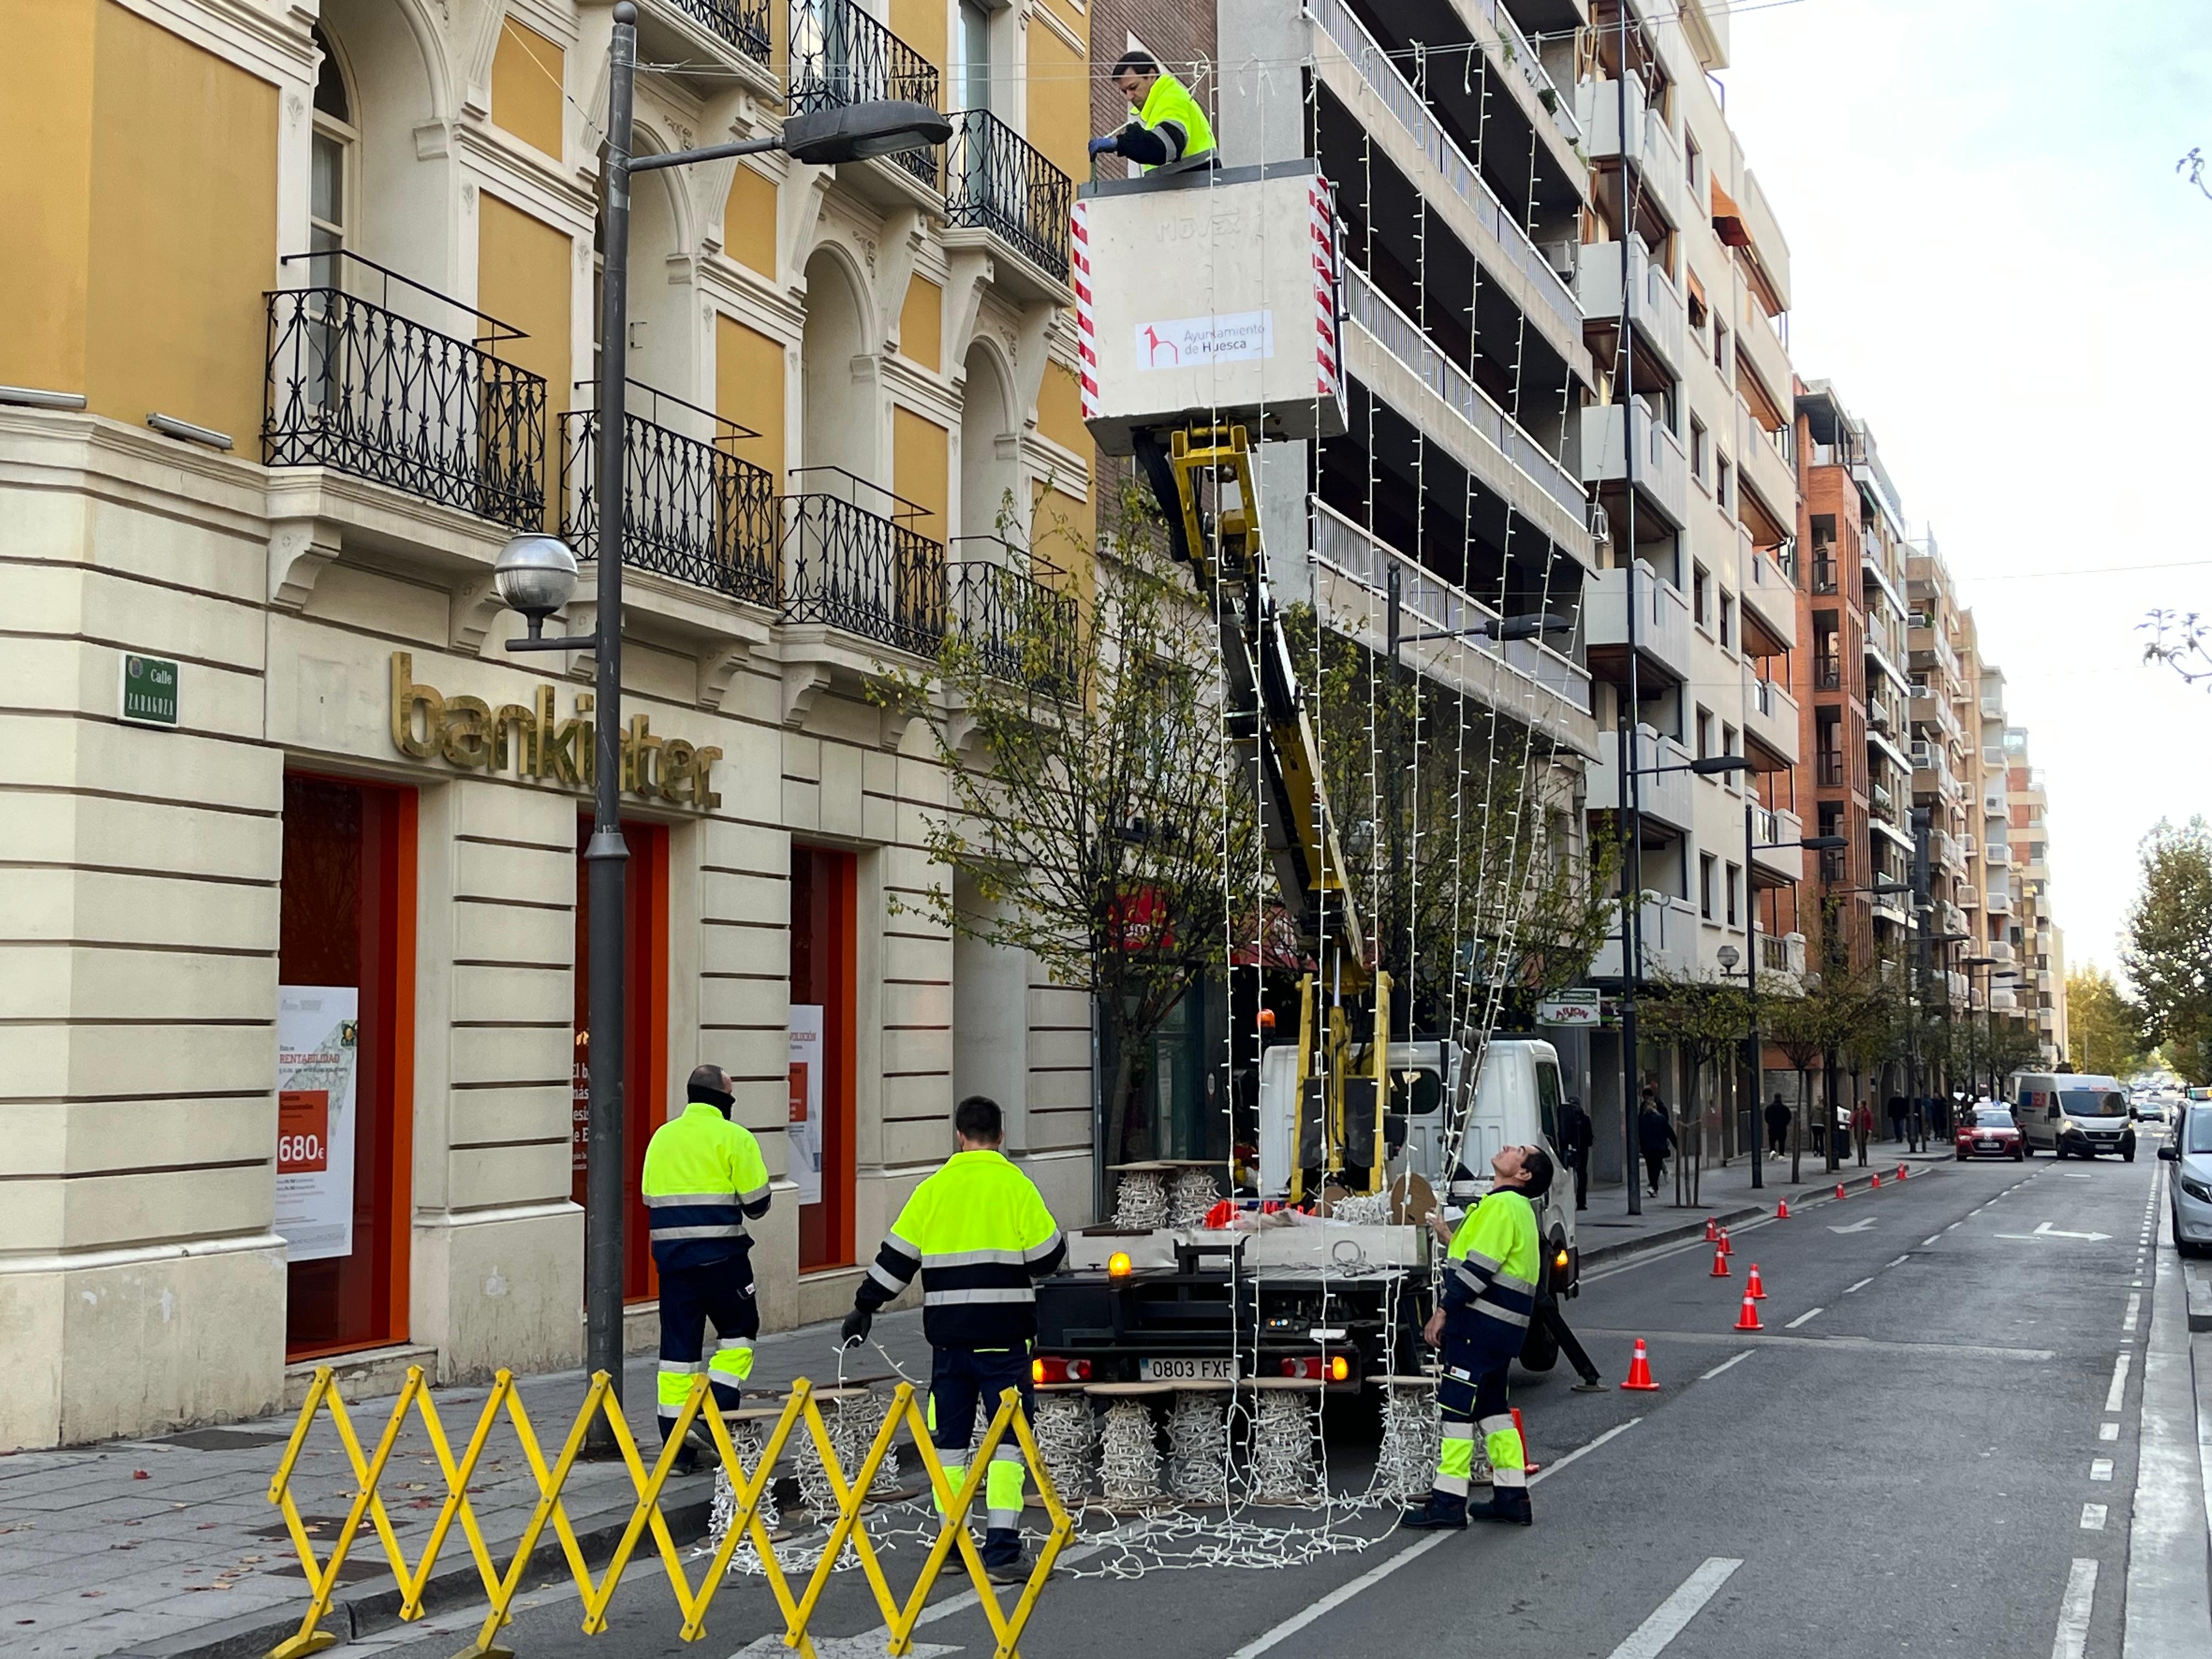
(171, 1547)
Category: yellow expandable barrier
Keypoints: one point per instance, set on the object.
(801, 1412)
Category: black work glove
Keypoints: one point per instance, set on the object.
(855, 1331)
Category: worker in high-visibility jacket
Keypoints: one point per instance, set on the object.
(980, 1234)
(1167, 127)
(704, 1176)
(1490, 1275)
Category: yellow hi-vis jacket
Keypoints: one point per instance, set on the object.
(1490, 1286)
(1174, 115)
(703, 1176)
(979, 1232)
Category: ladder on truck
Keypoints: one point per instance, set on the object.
(1203, 476)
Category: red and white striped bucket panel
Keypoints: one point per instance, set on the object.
(1322, 217)
(1086, 321)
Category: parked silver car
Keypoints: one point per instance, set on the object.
(2188, 1192)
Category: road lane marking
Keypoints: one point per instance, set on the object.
(1860, 1285)
(2119, 1390)
(2093, 1517)
(1650, 1638)
(1934, 1238)
(2072, 1640)
(1707, 1376)
(1952, 1228)
(1268, 1640)
(1810, 1313)
(2135, 1311)
(1900, 1262)
(1858, 1226)
(2108, 1431)
(1870, 1344)
(2100, 1468)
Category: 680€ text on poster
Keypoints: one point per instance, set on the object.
(318, 1059)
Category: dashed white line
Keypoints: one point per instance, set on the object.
(1810, 1313)
(2072, 1640)
(2118, 1391)
(2093, 1517)
(1860, 1285)
(1899, 1262)
(1932, 1237)
(2108, 1431)
(2100, 1468)
(1651, 1637)
(2134, 1311)
(1707, 1376)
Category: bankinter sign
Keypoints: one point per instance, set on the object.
(470, 733)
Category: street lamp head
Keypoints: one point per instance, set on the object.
(1825, 844)
(854, 133)
(1714, 766)
(535, 576)
(1890, 887)
(1728, 956)
(1527, 628)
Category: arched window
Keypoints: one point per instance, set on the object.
(331, 188)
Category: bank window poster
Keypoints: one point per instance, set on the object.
(804, 1128)
(318, 1065)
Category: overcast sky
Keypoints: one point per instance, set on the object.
(1994, 260)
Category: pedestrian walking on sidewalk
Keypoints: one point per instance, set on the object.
(1861, 1128)
(1575, 1146)
(979, 1233)
(1494, 1267)
(1897, 1117)
(1549, 1314)
(1654, 1136)
(1777, 1127)
(703, 1177)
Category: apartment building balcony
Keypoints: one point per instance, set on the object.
(2046, 983)
(1767, 594)
(360, 387)
(1778, 865)
(732, 35)
(1020, 629)
(1648, 302)
(839, 56)
(1664, 799)
(1663, 627)
(1770, 716)
(1539, 686)
(1662, 472)
(1998, 902)
(1932, 773)
(1760, 347)
(1782, 954)
(1997, 854)
(1369, 81)
(1931, 708)
(2002, 1001)
(1880, 742)
(1650, 161)
(1929, 650)
(1669, 927)
(1970, 896)
(860, 571)
(1878, 655)
(1002, 195)
(2046, 1019)
(1765, 473)
(1960, 988)
(1951, 918)
(1945, 851)
(692, 511)
(1386, 352)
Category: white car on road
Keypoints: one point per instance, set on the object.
(2190, 1193)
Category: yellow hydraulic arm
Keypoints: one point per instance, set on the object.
(1272, 729)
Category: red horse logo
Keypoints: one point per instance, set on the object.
(1152, 345)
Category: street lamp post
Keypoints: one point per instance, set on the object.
(535, 575)
(1751, 845)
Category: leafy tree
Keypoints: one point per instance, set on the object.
(2103, 1031)
(2182, 640)
(2168, 953)
(1706, 1022)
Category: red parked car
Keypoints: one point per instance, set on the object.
(1990, 1131)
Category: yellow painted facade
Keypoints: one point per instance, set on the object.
(749, 221)
(748, 389)
(921, 450)
(525, 87)
(921, 323)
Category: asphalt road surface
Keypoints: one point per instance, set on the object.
(1930, 1450)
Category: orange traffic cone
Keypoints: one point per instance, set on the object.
(1839, 1189)
(1527, 1461)
(1901, 1172)
(1875, 1180)
(1752, 1288)
(1712, 1230)
(1782, 1209)
(1720, 1263)
(1639, 1371)
(1748, 1319)
(1726, 1247)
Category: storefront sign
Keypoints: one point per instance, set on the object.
(1569, 1008)
(318, 1059)
(470, 733)
(149, 691)
(804, 1127)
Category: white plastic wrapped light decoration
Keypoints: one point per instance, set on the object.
(1406, 1466)
(1285, 1467)
(1128, 1460)
(1363, 1209)
(1140, 1203)
(746, 1438)
(1198, 1452)
(1068, 1440)
(1193, 1194)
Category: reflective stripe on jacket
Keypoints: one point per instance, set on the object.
(1489, 1285)
(703, 1176)
(980, 1233)
(1170, 111)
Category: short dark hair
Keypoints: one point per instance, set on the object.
(706, 1077)
(1136, 63)
(978, 1118)
(1537, 1166)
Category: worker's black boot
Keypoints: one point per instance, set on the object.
(1509, 1503)
(1004, 1560)
(1439, 1511)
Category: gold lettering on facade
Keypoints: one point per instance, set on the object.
(469, 733)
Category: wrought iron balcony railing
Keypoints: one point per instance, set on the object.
(860, 571)
(690, 510)
(994, 180)
(743, 23)
(354, 386)
(839, 55)
(1021, 629)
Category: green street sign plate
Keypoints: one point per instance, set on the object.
(149, 691)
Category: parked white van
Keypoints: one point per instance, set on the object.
(2073, 1115)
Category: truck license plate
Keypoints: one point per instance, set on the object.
(1186, 1370)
